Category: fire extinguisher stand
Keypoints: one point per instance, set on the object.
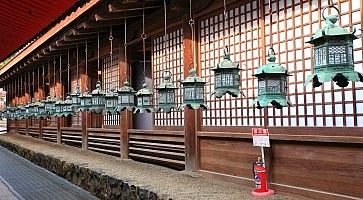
(261, 139)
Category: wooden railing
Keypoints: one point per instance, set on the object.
(72, 136)
(50, 134)
(158, 147)
(34, 131)
(104, 140)
(22, 130)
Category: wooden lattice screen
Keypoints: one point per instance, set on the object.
(174, 64)
(245, 42)
(110, 80)
(293, 23)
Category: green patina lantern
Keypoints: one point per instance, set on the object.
(144, 100)
(10, 113)
(333, 54)
(227, 78)
(126, 97)
(272, 84)
(41, 110)
(58, 105)
(16, 112)
(166, 91)
(35, 110)
(111, 102)
(22, 112)
(98, 99)
(31, 108)
(50, 105)
(86, 101)
(76, 98)
(193, 92)
(67, 107)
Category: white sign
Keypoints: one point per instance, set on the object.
(260, 137)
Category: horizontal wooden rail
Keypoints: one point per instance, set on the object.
(162, 147)
(105, 141)
(50, 134)
(34, 131)
(72, 136)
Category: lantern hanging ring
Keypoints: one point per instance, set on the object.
(127, 78)
(330, 6)
(271, 52)
(143, 36)
(191, 22)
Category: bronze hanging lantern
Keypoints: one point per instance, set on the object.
(67, 107)
(272, 84)
(76, 98)
(50, 105)
(333, 54)
(126, 97)
(98, 99)
(86, 101)
(111, 102)
(227, 78)
(144, 100)
(166, 91)
(193, 92)
(58, 107)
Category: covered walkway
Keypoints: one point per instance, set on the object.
(28, 181)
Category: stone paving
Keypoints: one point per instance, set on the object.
(31, 182)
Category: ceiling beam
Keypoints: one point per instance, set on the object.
(115, 7)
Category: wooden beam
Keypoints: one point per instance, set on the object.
(136, 5)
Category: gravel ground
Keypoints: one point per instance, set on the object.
(162, 181)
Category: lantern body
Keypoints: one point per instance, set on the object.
(227, 78)
(144, 100)
(333, 55)
(58, 108)
(41, 110)
(76, 100)
(98, 99)
(86, 102)
(36, 109)
(111, 101)
(126, 98)
(193, 92)
(272, 84)
(50, 106)
(166, 91)
(31, 109)
(67, 107)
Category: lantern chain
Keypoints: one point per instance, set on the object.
(86, 55)
(226, 24)
(43, 83)
(54, 94)
(143, 36)
(111, 45)
(191, 23)
(33, 84)
(68, 66)
(125, 43)
(165, 37)
(77, 65)
(98, 56)
(38, 84)
(60, 74)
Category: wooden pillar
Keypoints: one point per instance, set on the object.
(60, 120)
(86, 117)
(126, 116)
(190, 116)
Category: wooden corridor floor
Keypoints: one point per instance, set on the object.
(31, 182)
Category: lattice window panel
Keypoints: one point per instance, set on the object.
(76, 119)
(110, 80)
(294, 22)
(245, 42)
(174, 48)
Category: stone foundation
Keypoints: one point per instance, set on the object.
(98, 184)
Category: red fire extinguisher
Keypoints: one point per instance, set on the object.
(259, 174)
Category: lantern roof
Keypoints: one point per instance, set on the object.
(111, 92)
(59, 101)
(98, 90)
(126, 88)
(68, 100)
(166, 84)
(226, 63)
(76, 92)
(193, 78)
(331, 29)
(271, 67)
(144, 90)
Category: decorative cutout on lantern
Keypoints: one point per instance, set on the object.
(333, 54)
(86, 101)
(166, 91)
(144, 100)
(111, 102)
(126, 97)
(227, 78)
(98, 99)
(193, 92)
(272, 84)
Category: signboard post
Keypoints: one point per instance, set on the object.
(261, 138)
